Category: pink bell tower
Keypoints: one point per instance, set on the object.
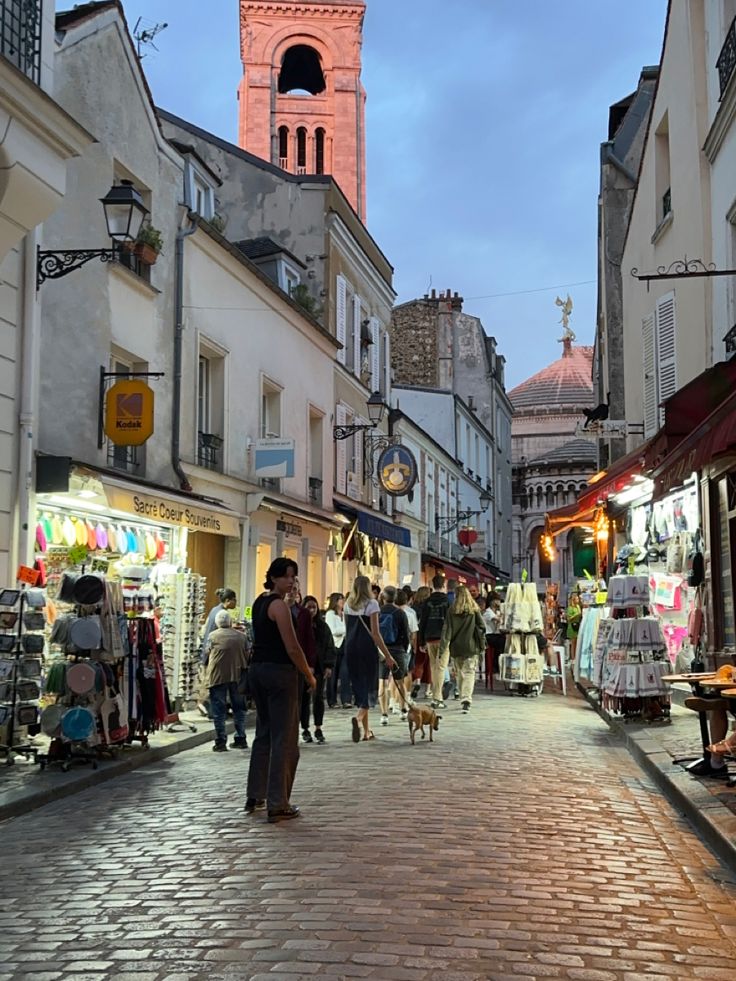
(302, 104)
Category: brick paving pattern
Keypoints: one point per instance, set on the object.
(522, 843)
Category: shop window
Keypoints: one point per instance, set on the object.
(210, 407)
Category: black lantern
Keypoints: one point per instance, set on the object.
(376, 408)
(486, 499)
(124, 212)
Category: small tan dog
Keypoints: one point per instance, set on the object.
(419, 717)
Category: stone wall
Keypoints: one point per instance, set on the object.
(414, 352)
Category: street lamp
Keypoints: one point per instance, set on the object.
(124, 213)
(447, 524)
(376, 409)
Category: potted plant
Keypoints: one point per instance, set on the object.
(148, 244)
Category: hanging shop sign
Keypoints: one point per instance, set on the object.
(274, 457)
(172, 512)
(129, 412)
(397, 470)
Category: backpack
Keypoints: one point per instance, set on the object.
(435, 619)
(388, 629)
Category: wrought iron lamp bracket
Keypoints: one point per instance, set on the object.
(53, 264)
(682, 269)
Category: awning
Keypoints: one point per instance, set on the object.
(483, 574)
(714, 436)
(612, 481)
(375, 527)
(571, 516)
(451, 571)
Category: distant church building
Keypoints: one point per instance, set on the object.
(302, 104)
(551, 464)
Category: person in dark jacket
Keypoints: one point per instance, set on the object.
(305, 636)
(430, 631)
(325, 656)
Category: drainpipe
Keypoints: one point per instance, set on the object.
(181, 234)
(25, 490)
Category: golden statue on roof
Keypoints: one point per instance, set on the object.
(568, 334)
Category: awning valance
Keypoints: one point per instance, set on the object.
(476, 568)
(714, 436)
(463, 576)
(571, 516)
(375, 527)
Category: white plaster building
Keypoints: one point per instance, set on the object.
(37, 139)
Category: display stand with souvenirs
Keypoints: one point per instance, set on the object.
(631, 653)
(522, 663)
(21, 644)
(183, 601)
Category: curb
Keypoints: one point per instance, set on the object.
(713, 821)
(27, 802)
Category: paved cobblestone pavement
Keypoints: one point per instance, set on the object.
(522, 843)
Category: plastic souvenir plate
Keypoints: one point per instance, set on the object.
(78, 724)
(80, 678)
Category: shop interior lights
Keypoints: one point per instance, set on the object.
(600, 527)
(548, 547)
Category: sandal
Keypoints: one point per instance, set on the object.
(369, 735)
(356, 730)
(722, 748)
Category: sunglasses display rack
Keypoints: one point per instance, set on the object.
(182, 598)
(20, 672)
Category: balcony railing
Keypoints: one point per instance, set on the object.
(20, 35)
(727, 58)
(208, 451)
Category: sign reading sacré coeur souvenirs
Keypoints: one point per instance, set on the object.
(129, 412)
(397, 470)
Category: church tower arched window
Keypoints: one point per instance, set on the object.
(284, 147)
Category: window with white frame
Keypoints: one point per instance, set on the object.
(270, 409)
(210, 406)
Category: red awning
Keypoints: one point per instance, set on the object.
(483, 574)
(452, 571)
(570, 516)
(714, 436)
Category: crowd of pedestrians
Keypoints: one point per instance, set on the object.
(372, 650)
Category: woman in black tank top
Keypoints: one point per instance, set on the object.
(273, 677)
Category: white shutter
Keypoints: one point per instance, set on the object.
(375, 355)
(341, 316)
(341, 451)
(386, 391)
(666, 349)
(650, 376)
(359, 452)
(356, 335)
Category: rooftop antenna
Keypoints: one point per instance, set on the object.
(145, 34)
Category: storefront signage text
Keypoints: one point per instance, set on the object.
(172, 512)
(289, 527)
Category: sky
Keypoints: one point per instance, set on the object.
(484, 121)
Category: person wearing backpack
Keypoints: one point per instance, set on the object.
(394, 629)
(431, 622)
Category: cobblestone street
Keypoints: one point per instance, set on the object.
(523, 842)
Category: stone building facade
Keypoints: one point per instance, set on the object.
(302, 104)
(436, 346)
(552, 461)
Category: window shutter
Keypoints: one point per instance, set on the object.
(375, 355)
(650, 376)
(666, 349)
(359, 451)
(341, 317)
(341, 455)
(386, 390)
(356, 335)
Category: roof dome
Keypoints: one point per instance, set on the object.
(567, 381)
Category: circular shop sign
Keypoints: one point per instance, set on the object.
(397, 470)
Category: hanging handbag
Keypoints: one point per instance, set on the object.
(695, 620)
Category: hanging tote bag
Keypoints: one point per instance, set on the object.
(695, 620)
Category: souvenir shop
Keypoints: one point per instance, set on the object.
(116, 611)
(368, 546)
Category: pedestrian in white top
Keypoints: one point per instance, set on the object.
(339, 682)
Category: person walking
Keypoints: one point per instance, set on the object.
(273, 677)
(305, 636)
(339, 683)
(421, 674)
(394, 629)
(431, 623)
(324, 664)
(227, 601)
(463, 639)
(363, 642)
(403, 601)
(227, 659)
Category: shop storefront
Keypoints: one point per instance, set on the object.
(369, 546)
(136, 631)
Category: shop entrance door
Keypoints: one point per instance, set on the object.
(206, 557)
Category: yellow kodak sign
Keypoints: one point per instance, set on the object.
(129, 412)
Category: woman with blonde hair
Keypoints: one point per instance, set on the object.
(363, 642)
(464, 637)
